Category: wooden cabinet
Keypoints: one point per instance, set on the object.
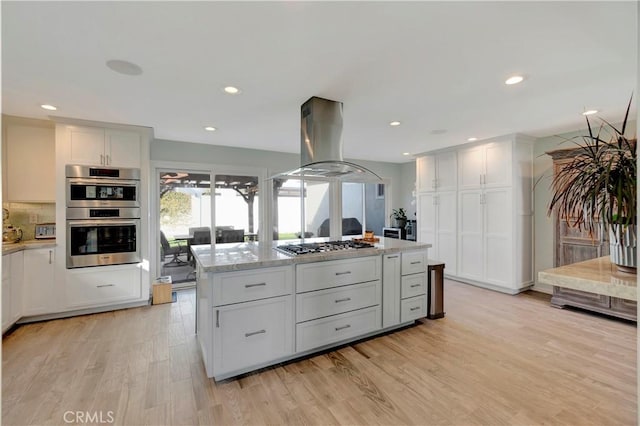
(12, 283)
(39, 293)
(573, 245)
(484, 166)
(89, 287)
(436, 172)
(103, 147)
(482, 230)
(28, 161)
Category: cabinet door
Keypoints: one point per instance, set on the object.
(39, 282)
(252, 333)
(390, 290)
(497, 164)
(6, 292)
(446, 237)
(86, 145)
(470, 167)
(447, 171)
(427, 220)
(426, 173)
(101, 286)
(30, 164)
(122, 148)
(17, 283)
(470, 247)
(497, 237)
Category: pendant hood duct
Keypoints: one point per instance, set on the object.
(321, 145)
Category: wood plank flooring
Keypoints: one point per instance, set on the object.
(494, 359)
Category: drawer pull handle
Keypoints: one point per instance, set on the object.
(415, 285)
(343, 273)
(415, 308)
(343, 327)
(416, 262)
(254, 285)
(106, 285)
(346, 299)
(253, 333)
(392, 257)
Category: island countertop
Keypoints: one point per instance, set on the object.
(249, 255)
(598, 276)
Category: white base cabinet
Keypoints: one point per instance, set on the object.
(39, 294)
(89, 287)
(12, 285)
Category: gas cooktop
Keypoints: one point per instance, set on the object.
(329, 246)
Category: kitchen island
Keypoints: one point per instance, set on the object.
(258, 307)
(594, 285)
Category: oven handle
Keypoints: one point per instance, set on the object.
(99, 181)
(106, 222)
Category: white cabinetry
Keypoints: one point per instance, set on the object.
(413, 286)
(391, 289)
(103, 147)
(12, 283)
(337, 300)
(29, 161)
(482, 230)
(39, 293)
(245, 319)
(436, 172)
(90, 287)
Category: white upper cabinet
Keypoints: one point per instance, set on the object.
(29, 157)
(104, 147)
(437, 172)
(485, 166)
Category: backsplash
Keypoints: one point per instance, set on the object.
(19, 214)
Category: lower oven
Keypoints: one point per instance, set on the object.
(100, 237)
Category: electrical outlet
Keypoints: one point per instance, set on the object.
(33, 217)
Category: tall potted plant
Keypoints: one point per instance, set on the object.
(399, 217)
(598, 187)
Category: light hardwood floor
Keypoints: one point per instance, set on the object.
(494, 359)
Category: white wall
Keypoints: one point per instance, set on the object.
(543, 171)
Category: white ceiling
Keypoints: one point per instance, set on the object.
(431, 65)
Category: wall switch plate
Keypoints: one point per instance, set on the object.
(33, 217)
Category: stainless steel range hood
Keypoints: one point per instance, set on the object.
(321, 145)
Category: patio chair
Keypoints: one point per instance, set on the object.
(231, 236)
(174, 250)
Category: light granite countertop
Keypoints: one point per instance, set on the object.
(598, 276)
(250, 255)
(8, 248)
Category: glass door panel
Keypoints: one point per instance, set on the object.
(237, 208)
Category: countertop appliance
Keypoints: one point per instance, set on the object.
(328, 246)
(45, 231)
(397, 233)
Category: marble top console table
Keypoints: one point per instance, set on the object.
(594, 285)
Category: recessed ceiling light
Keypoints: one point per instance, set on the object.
(406, 153)
(231, 90)
(124, 67)
(472, 139)
(514, 79)
(210, 129)
(49, 107)
(590, 112)
(394, 123)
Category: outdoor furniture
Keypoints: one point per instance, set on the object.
(174, 250)
(231, 236)
(350, 226)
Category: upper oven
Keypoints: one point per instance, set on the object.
(102, 187)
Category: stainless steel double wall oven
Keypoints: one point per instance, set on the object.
(103, 216)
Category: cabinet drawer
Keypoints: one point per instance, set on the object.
(323, 331)
(414, 262)
(333, 301)
(251, 333)
(244, 286)
(413, 285)
(102, 287)
(413, 308)
(334, 273)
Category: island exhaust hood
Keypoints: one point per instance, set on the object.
(321, 145)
